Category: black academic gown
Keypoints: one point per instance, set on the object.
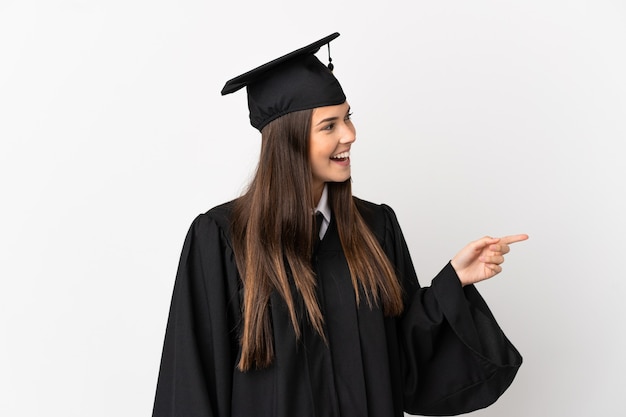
(445, 355)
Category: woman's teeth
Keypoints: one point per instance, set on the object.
(342, 155)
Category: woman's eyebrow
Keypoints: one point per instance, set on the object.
(328, 119)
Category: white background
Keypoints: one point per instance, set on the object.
(473, 118)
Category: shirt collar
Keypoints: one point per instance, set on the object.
(323, 206)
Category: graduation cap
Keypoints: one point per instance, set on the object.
(293, 82)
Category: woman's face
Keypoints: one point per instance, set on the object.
(332, 134)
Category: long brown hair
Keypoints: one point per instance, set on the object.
(272, 236)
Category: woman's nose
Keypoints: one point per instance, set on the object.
(349, 135)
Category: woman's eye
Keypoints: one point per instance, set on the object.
(348, 116)
(329, 126)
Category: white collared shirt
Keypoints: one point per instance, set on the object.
(324, 208)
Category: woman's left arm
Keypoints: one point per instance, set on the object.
(455, 357)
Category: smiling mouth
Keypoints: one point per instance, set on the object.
(340, 157)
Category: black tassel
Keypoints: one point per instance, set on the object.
(330, 60)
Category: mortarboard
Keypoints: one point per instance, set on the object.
(293, 82)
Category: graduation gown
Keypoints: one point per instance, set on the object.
(445, 355)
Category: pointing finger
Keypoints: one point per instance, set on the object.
(513, 238)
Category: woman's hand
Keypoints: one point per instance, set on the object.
(481, 259)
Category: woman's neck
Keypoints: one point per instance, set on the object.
(317, 189)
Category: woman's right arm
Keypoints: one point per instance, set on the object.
(200, 341)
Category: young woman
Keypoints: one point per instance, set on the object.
(298, 299)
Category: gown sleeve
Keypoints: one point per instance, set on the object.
(197, 360)
(455, 357)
